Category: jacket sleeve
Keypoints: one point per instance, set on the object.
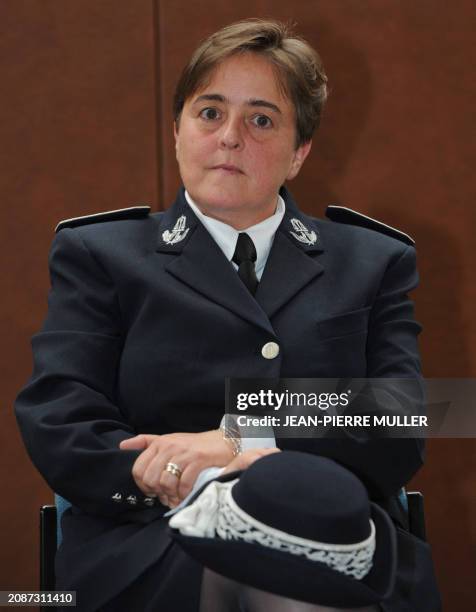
(68, 412)
(385, 464)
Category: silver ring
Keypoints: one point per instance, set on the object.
(173, 469)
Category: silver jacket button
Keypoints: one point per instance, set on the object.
(131, 500)
(117, 497)
(270, 350)
(149, 501)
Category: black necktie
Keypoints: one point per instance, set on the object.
(245, 257)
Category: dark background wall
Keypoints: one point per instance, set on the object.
(87, 126)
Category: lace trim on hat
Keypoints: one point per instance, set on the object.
(215, 514)
(350, 559)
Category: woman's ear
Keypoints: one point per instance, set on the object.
(175, 133)
(299, 156)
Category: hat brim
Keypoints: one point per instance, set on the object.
(296, 577)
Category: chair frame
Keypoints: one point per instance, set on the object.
(48, 546)
(416, 515)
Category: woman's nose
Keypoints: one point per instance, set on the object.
(231, 136)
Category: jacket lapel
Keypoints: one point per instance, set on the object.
(200, 264)
(291, 263)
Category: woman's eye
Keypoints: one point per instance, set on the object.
(262, 121)
(209, 114)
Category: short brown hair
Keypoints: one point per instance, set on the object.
(298, 67)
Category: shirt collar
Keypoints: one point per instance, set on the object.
(225, 236)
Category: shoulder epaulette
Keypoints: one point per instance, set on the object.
(341, 214)
(133, 212)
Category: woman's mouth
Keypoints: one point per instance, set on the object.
(228, 168)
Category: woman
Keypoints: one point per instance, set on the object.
(149, 313)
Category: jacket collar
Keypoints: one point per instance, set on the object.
(291, 263)
(200, 263)
(177, 225)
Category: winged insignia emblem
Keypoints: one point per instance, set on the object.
(178, 232)
(302, 233)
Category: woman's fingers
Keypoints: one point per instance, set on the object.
(142, 465)
(153, 472)
(149, 470)
(169, 482)
(149, 445)
(140, 442)
(188, 478)
(178, 487)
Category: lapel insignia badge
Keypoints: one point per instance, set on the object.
(178, 233)
(303, 234)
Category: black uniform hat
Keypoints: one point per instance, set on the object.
(296, 525)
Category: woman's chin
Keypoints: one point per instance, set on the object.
(221, 199)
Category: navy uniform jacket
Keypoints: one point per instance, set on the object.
(141, 332)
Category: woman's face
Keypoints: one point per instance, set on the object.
(236, 142)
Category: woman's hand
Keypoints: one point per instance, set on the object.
(192, 452)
